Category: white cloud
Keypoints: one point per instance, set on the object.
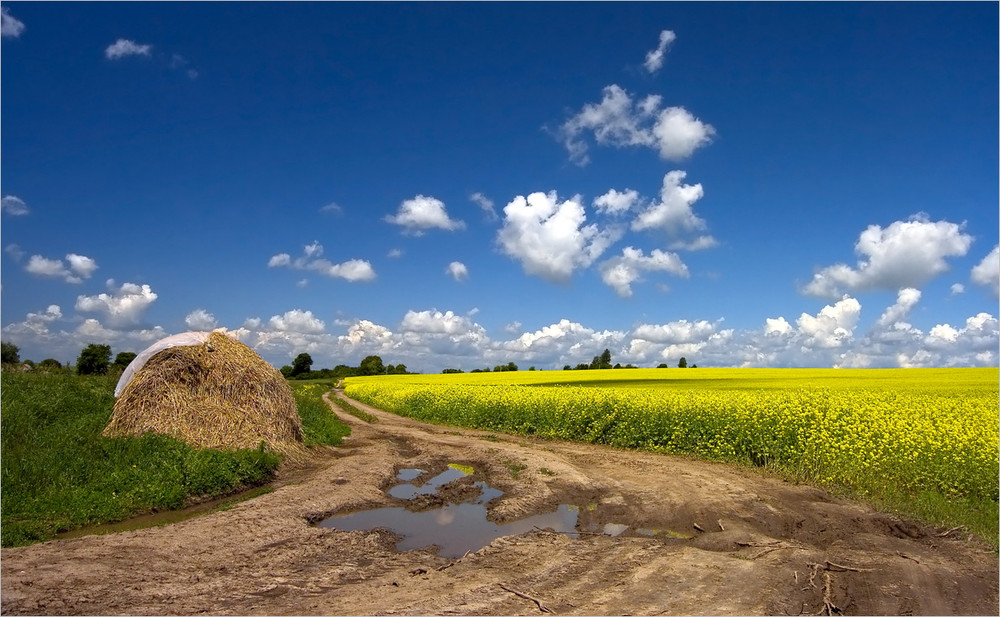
(298, 321)
(698, 244)
(675, 332)
(279, 260)
(16, 252)
(619, 121)
(333, 208)
(201, 320)
(673, 212)
(777, 327)
(124, 47)
(394, 253)
(80, 267)
(905, 254)
(620, 272)
(513, 327)
(616, 203)
(124, 306)
(833, 326)
(457, 271)
(905, 301)
(549, 238)
(654, 58)
(13, 205)
(987, 272)
(366, 334)
(422, 213)
(957, 289)
(353, 270)
(10, 26)
(486, 205)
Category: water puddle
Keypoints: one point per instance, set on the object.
(453, 528)
(432, 518)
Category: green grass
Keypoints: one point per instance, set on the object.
(319, 426)
(58, 473)
(354, 411)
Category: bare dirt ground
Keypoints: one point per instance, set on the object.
(735, 543)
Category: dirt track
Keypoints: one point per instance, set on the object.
(767, 547)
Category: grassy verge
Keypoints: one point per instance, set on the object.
(58, 473)
(354, 411)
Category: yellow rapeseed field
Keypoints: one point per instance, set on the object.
(910, 429)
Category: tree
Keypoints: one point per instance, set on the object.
(567, 368)
(662, 365)
(94, 360)
(400, 369)
(123, 359)
(286, 371)
(510, 367)
(371, 365)
(301, 364)
(9, 353)
(682, 363)
(606, 359)
(50, 364)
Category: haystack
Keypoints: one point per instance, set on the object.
(218, 394)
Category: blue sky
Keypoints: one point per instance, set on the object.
(465, 185)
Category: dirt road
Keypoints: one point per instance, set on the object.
(729, 542)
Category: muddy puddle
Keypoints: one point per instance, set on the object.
(449, 510)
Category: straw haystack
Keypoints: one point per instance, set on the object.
(217, 394)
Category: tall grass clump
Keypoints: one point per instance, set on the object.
(57, 472)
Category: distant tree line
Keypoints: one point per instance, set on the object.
(301, 368)
(94, 359)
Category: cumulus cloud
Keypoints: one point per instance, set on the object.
(16, 252)
(353, 270)
(777, 326)
(486, 205)
(10, 26)
(549, 238)
(700, 243)
(833, 326)
(904, 254)
(957, 288)
(14, 206)
(421, 213)
(674, 212)
(620, 121)
(297, 320)
(125, 47)
(75, 271)
(201, 320)
(654, 58)
(616, 203)
(620, 272)
(905, 301)
(124, 306)
(987, 272)
(457, 271)
(394, 253)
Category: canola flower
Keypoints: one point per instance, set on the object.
(936, 430)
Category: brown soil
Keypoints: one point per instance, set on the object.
(734, 542)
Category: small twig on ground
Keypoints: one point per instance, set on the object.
(829, 608)
(448, 565)
(951, 531)
(698, 527)
(541, 606)
(721, 528)
(829, 566)
(905, 556)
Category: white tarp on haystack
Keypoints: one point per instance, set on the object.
(184, 339)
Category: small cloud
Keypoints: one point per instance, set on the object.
(614, 202)
(279, 260)
(10, 26)
(124, 47)
(698, 244)
(14, 206)
(302, 283)
(123, 306)
(654, 58)
(987, 272)
(457, 271)
(332, 208)
(394, 253)
(620, 121)
(200, 319)
(620, 272)
(79, 268)
(957, 288)
(514, 327)
(422, 213)
(15, 252)
(486, 204)
(352, 270)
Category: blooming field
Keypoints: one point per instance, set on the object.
(914, 430)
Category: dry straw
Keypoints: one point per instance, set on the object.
(217, 395)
